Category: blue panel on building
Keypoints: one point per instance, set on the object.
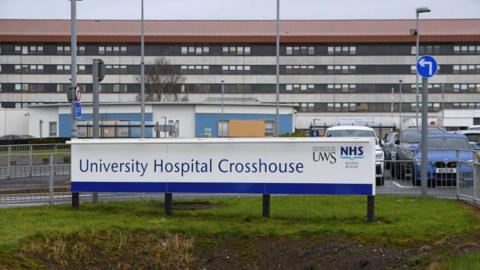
(209, 121)
(65, 123)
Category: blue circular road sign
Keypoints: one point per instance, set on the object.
(427, 66)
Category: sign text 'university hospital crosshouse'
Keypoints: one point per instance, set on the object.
(275, 166)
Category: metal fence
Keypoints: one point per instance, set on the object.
(468, 186)
(34, 173)
(31, 174)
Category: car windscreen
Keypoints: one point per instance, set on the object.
(448, 143)
(473, 137)
(411, 136)
(350, 133)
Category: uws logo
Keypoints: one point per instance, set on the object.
(351, 152)
(325, 154)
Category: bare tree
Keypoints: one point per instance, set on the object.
(162, 82)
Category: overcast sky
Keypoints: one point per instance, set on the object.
(239, 9)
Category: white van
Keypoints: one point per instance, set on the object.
(362, 131)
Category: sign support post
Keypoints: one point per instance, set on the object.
(266, 205)
(424, 164)
(168, 204)
(426, 67)
(370, 208)
(96, 78)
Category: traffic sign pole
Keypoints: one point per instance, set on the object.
(427, 68)
(95, 91)
(424, 164)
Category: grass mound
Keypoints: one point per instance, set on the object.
(112, 249)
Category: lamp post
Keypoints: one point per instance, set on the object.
(400, 104)
(277, 73)
(142, 77)
(416, 32)
(73, 50)
(221, 115)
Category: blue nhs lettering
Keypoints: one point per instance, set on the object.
(351, 152)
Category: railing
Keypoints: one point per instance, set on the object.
(32, 174)
(468, 186)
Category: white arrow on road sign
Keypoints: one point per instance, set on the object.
(424, 62)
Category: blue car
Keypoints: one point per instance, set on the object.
(443, 163)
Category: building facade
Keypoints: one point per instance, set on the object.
(182, 120)
(330, 70)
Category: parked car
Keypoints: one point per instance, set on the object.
(443, 162)
(473, 137)
(389, 147)
(406, 146)
(361, 131)
(474, 127)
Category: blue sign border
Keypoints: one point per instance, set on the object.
(209, 187)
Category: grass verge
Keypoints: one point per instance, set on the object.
(463, 262)
(400, 220)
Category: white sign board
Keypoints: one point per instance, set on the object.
(270, 166)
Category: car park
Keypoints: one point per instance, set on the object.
(363, 131)
(449, 154)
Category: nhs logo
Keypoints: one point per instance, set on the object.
(351, 152)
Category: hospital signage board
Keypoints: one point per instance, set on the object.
(212, 165)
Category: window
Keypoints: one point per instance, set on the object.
(470, 49)
(52, 129)
(196, 68)
(300, 50)
(238, 50)
(63, 68)
(299, 87)
(63, 49)
(341, 50)
(330, 51)
(269, 128)
(223, 128)
(194, 50)
(235, 68)
(21, 87)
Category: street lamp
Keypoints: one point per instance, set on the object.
(73, 50)
(416, 32)
(142, 78)
(277, 73)
(400, 104)
(221, 115)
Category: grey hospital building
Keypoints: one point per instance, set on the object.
(330, 71)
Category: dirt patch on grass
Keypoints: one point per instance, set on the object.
(288, 253)
(144, 249)
(113, 249)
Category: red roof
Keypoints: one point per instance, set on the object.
(241, 31)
